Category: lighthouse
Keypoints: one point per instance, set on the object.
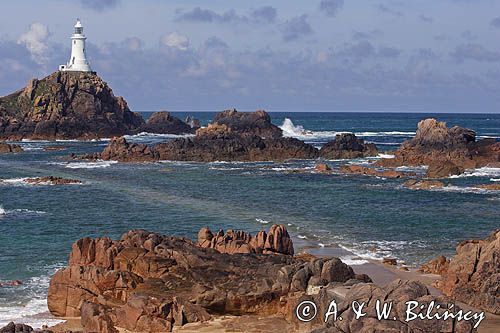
(78, 61)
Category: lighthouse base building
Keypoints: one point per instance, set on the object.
(78, 61)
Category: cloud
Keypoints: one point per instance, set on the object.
(475, 52)
(99, 5)
(133, 43)
(469, 35)
(387, 10)
(296, 28)
(331, 7)
(265, 14)
(199, 14)
(35, 40)
(388, 52)
(360, 35)
(495, 22)
(426, 19)
(175, 40)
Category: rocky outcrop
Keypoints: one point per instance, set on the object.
(435, 266)
(146, 282)
(66, 105)
(444, 169)
(215, 143)
(371, 171)
(193, 122)
(347, 146)
(21, 328)
(436, 143)
(51, 180)
(9, 148)
(489, 187)
(163, 122)
(473, 274)
(416, 184)
(276, 241)
(256, 123)
(322, 168)
(398, 293)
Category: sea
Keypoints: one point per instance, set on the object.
(370, 217)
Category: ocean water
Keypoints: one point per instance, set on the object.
(372, 217)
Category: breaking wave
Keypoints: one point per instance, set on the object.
(86, 165)
(297, 131)
(481, 172)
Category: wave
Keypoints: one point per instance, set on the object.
(465, 189)
(494, 179)
(386, 156)
(481, 172)
(23, 182)
(262, 221)
(99, 164)
(19, 211)
(33, 311)
(297, 131)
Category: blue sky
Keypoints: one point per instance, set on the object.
(284, 55)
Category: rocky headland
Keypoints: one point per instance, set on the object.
(447, 151)
(75, 105)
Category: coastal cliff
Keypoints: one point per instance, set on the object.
(66, 105)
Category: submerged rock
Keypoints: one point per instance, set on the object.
(435, 143)
(424, 184)
(163, 122)
(473, 274)
(10, 148)
(66, 105)
(51, 180)
(371, 171)
(149, 282)
(489, 187)
(347, 146)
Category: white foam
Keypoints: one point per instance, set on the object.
(302, 236)
(2, 211)
(481, 172)
(353, 260)
(23, 182)
(99, 164)
(465, 189)
(386, 156)
(494, 179)
(262, 221)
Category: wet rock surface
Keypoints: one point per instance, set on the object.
(51, 180)
(347, 146)
(355, 169)
(256, 123)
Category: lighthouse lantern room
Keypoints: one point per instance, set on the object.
(78, 61)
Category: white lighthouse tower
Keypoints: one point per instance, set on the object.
(78, 61)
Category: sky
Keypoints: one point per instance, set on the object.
(280, 55)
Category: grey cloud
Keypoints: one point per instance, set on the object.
(360, 35)
(469, 35)
(331, 7)
(215, 43)
(199, 14)
(472, 51)
(99, 5)
(496, 22)
(387, 10)
(388, 52)
(425, 18)
(266, 14)
(296, 28)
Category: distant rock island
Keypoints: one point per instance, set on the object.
(75, 105)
